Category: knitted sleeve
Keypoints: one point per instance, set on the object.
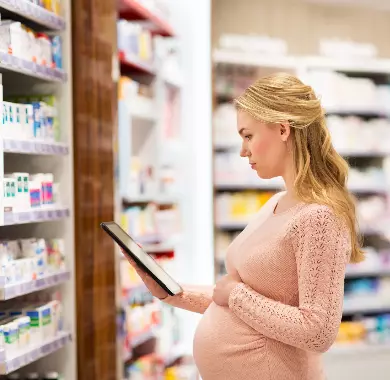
(194, 298)
(322, 249)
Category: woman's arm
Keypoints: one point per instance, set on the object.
(194, 298)
(323, 248)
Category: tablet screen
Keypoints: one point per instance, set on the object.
(133, 249)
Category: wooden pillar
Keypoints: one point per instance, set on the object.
(95, 119)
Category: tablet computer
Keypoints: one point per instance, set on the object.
(143, 259)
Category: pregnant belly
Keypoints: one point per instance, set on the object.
(223, 343)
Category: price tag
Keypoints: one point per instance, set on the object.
(10, 292)
(16, 62)
(13, 144)
(39, 215)
(34, 355)
(26, 146)
(23, 7)
(27, 65)
(24, 217)
(39, 69)
(8, 218)
(16, 364)
(40, 283)
(5, 58)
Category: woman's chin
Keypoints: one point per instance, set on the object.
(264, 176)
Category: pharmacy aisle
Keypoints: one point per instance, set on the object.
(36, 214)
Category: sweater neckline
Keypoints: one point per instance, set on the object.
(292, 208)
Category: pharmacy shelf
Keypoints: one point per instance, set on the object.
(363, 307)
(368, 188)
(371, 272)
(363, 153)
(134, 64)
(158, 248)
(144, 199)
(34, 147)
(356, 111)
(175, 353)
(33, 12)
(231, 226)
(33, 353)
(260, 185)
(42, 214)
(10, 291)
(143, 108)
(135, 10)
(11, 63)
(369, 65)
(143, 337)
(242, 58)
(358, 348)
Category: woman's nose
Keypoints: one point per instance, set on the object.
(243, 152)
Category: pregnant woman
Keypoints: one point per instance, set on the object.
(280, 305)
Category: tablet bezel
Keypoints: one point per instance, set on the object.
(106, 228)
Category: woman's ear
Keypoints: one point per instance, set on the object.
(284, 130)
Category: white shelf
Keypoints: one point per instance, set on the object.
(379, 66)
(15, 290)
(358, 348)
(143, 108)
(161, 200)
(260, 185)
(32, 353)
(34, 13)
(367, 273)
(31, 69)
(232, 225)
(235, 57)
(362, 307)
(143, 337)
(368, 188)
(34, 147)
(43, 214)
(255, 59)
(157, 248)
(362, 153)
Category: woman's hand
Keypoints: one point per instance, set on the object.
(152, 285)
(223, 288)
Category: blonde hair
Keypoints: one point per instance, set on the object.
(321, 173)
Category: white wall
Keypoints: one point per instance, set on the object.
(196, 256)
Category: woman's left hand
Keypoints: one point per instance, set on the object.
(223, 288)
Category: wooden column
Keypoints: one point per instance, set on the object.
(95, 119)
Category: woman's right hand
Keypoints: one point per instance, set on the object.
(154, 288)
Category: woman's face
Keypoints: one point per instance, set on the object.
(264, 144)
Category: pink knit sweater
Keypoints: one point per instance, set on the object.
(288, 309)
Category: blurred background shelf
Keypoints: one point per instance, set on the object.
(10, 291)
(28, 11)
(33, 353)
(34, 147)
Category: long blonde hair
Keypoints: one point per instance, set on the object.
(321, 173)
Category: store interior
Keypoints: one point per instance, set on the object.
(122, 111)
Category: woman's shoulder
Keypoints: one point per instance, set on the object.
(318, 219)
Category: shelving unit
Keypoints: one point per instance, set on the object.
(33, 353)
(10, 291)
(149, 204)
(47, 154)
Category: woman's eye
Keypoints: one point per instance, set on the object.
(248, 137)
